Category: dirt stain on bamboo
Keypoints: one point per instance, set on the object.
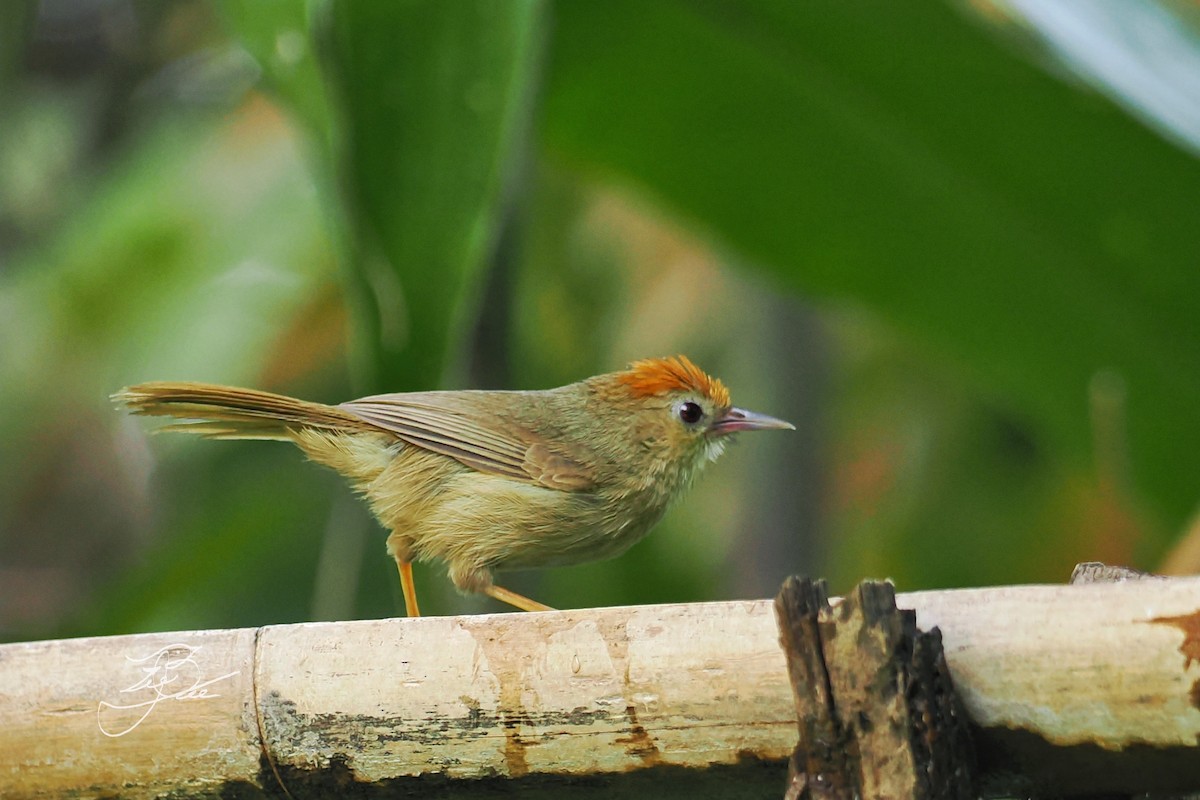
(1189, 624)
(508, 664)
(639, 743)
(512, 653)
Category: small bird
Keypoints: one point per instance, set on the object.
(493, 480)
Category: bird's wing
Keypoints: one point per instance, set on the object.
(446, 423)
(555, 471)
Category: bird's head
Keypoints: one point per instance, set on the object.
(684, 416)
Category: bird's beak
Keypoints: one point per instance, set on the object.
(739, 419)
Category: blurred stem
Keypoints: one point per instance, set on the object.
(489, 364)
(1109, 440)
(781, 532)
(19, 17)
(340, 563)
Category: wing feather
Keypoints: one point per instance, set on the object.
(449, 424)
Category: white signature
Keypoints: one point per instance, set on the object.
(169, 673)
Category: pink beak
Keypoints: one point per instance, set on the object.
(738, 419)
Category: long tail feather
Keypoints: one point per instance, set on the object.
(228, 412)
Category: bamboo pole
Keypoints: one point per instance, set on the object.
(1067, 686)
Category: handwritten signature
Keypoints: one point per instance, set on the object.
(169, 673)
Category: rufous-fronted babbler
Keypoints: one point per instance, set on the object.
(493, 480)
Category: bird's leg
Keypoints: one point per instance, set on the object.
(513, 599)
(400, 548)
(473, 578)
(408, 588)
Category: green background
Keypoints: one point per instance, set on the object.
(969, 278)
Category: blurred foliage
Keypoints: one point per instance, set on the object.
(968, 280)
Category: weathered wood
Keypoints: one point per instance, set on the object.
(594, 693)
(819, 766)
(1072, 689)
(877, 710)
(1098, 572)
(133, 716)
(686, 700)
(1083, 689)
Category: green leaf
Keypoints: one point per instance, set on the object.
(278, 34)
(894, 155)
(434, 100)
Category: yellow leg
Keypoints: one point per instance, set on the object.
(513, 599)
(408, 587)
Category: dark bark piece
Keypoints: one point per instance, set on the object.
(876, 706)
(818, 768)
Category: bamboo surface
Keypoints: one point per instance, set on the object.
(688, 699)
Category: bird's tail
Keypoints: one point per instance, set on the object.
(227, 412)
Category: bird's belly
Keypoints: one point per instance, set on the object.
(502, 524)
(596, 534)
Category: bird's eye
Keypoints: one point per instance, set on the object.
(690, 412)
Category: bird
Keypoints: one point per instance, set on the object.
(491, 480)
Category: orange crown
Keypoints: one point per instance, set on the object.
(652, 376)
